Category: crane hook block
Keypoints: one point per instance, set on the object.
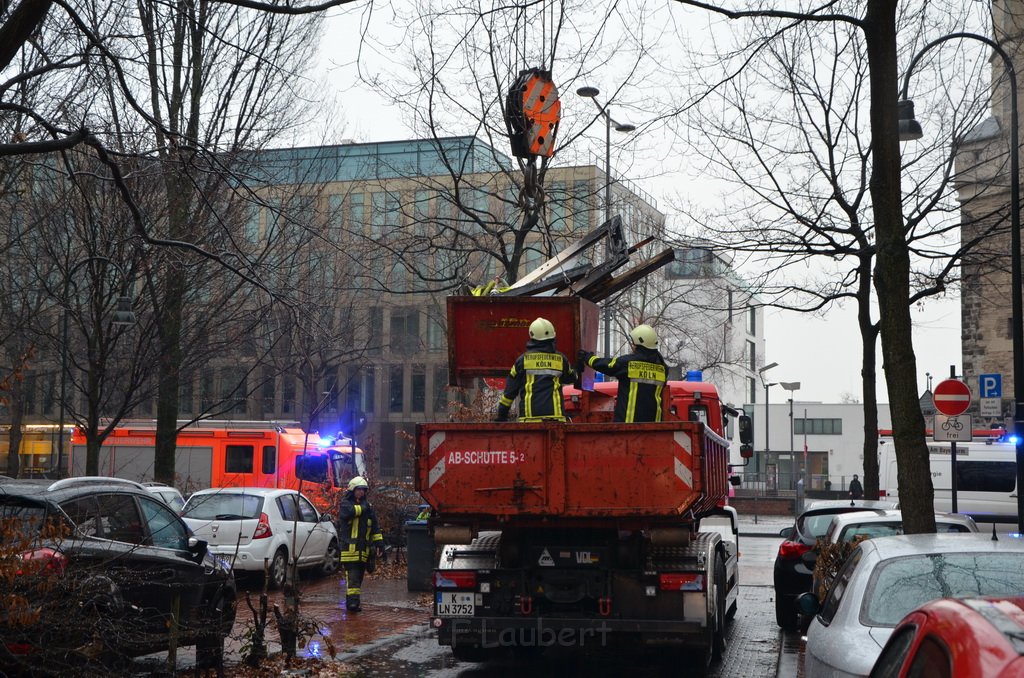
(532, 113)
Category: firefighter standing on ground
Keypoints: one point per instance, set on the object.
(359, 532)
(642, 375)
(537, 378)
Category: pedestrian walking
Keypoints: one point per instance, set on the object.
(537, 378)
(360, 533)
(642, 375)
(856, 491)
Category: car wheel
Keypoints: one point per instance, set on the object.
(278, 569)
(785, 612)
(331, 563)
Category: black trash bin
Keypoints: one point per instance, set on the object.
(419, 552)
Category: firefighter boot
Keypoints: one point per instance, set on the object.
(352, 603)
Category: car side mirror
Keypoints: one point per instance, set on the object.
(326, 518)
(198, 548)
(807, 604)
(787, 532)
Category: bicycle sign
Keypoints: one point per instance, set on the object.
(956, 429)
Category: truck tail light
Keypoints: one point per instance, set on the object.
(455, 579)
(881, 493)
(791, 550)
(43, 560)
(263, 528)
(681, 581)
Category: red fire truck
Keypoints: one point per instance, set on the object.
(583, 532)
(225, 454)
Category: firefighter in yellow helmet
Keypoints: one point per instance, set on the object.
(359, 532)
(537, 378)
(641, 374)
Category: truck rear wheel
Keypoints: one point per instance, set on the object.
(721, 643)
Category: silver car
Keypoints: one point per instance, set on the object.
(886, 523)
(887, 577)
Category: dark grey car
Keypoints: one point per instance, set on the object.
(794, 563)
(104, 571)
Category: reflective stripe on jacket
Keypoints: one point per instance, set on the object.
(642, 376)
(537, 378)
(358, 528)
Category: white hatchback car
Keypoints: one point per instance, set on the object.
(887, 577)
(249, 525)
(171, 496)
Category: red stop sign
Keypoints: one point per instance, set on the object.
(952, 397)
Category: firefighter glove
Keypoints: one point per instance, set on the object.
(584, 356)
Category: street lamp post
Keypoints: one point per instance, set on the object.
(767, 414)
(909, 129)
(792, 387)
(122, 316)
(591, 93)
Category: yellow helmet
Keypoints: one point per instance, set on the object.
(644, 335)
(541, 329)
(358, 482)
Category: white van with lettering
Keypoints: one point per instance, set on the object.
(986, 476)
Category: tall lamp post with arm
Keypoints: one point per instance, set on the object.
(909, 129)
(591, 93)
(767, 414)
(792, 387)
(123, 316)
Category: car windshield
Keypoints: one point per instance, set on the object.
(902, 584)
(223, 506)
(871, 530)
(171, 497)
(815, 524)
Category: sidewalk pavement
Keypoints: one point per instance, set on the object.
(752, 525)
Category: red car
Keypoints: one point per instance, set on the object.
(965, 638)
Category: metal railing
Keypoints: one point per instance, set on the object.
(784, 483)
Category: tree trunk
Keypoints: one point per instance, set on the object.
(869, 375)
(892, 274)
(17, 408)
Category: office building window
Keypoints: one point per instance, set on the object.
(418, 386)
(752, 389)
(288, 404)
(405, 330)
(752, 321)
(396, 392)
(827, 427)
(752, 356)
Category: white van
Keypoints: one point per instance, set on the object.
(986, 476)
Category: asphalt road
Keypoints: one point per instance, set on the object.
(391, 637)
(755, 643)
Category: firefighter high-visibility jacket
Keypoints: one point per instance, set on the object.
(537, 378)
(642, 377)
(358, 528)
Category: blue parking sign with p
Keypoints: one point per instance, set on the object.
(990, 385)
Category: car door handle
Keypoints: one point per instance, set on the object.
(288, 531)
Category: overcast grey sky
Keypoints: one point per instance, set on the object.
(822, 353)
